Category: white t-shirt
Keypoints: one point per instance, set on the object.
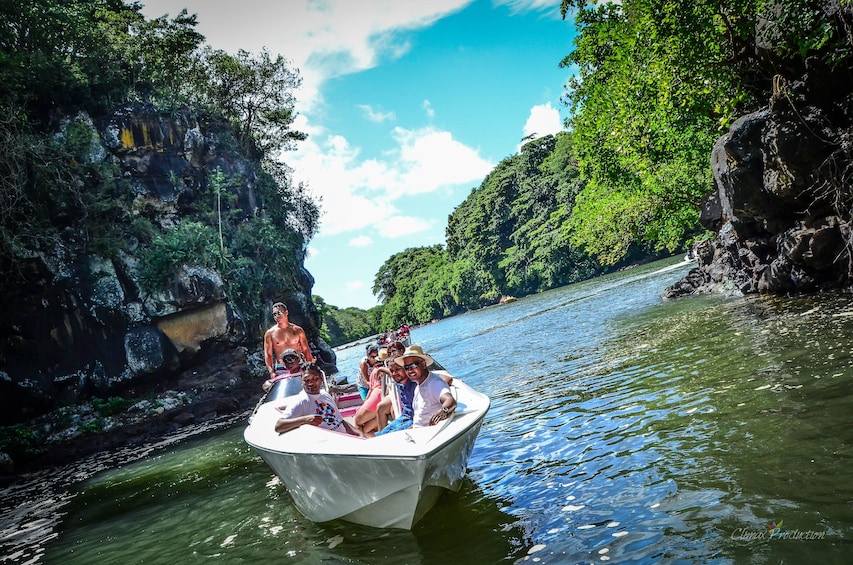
(304, 404)
(427, 399)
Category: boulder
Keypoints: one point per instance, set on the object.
(149, 352)
(778, 205)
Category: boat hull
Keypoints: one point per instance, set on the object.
(389, 481)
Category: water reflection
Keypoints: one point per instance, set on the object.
(215, 500)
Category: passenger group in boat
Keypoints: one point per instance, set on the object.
(423, 396)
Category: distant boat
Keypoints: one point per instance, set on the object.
(389, 481)
(507, 299)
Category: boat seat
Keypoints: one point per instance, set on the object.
(348, 399)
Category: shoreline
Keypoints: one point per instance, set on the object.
(227, 387)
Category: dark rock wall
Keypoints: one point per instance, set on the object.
(81, 326)
(782, 202)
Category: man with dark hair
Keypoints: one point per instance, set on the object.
(433, 401)
(313, 406)
(284, 335)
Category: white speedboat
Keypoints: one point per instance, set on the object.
(389, 481)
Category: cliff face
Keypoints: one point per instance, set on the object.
(782, 202)
(81, 325)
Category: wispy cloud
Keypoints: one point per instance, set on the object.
(375, 115)
(545, 6)
(428, 110)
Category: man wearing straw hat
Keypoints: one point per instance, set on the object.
(433, 401)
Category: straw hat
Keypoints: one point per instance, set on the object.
(414, 351)
(383, 354)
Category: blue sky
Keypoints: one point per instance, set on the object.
(408, 106)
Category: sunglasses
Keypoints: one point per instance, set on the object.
(289, 358)
(277, 314)
(411, 366)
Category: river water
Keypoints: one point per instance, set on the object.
(623, 429)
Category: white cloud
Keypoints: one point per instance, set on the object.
(359, 193)
(398, 226)
(374, 115)
(355, 285)
(543, 120)
(311, 252)
(360, 241)
(431, 159)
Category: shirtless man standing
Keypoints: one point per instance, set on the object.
(284, 335)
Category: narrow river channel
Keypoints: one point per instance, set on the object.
(623, 429)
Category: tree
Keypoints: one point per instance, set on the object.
(401, 284)
(255, 95)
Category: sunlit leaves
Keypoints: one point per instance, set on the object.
(656, 83)
(255, 94)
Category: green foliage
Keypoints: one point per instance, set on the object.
(28, 169)
(52, 182)
(190, 243)
(344, 325)
(19, 440)
(644, 120)
(658, 81)
(94, 426)
(407, 282)
(255, 95)
(511, 235)
(111, 406)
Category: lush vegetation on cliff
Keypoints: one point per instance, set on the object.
(657, 83)
(60, 58)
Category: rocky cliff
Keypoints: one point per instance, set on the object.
(782, 202)
(78, 326)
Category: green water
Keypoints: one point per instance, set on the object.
(623, 429)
